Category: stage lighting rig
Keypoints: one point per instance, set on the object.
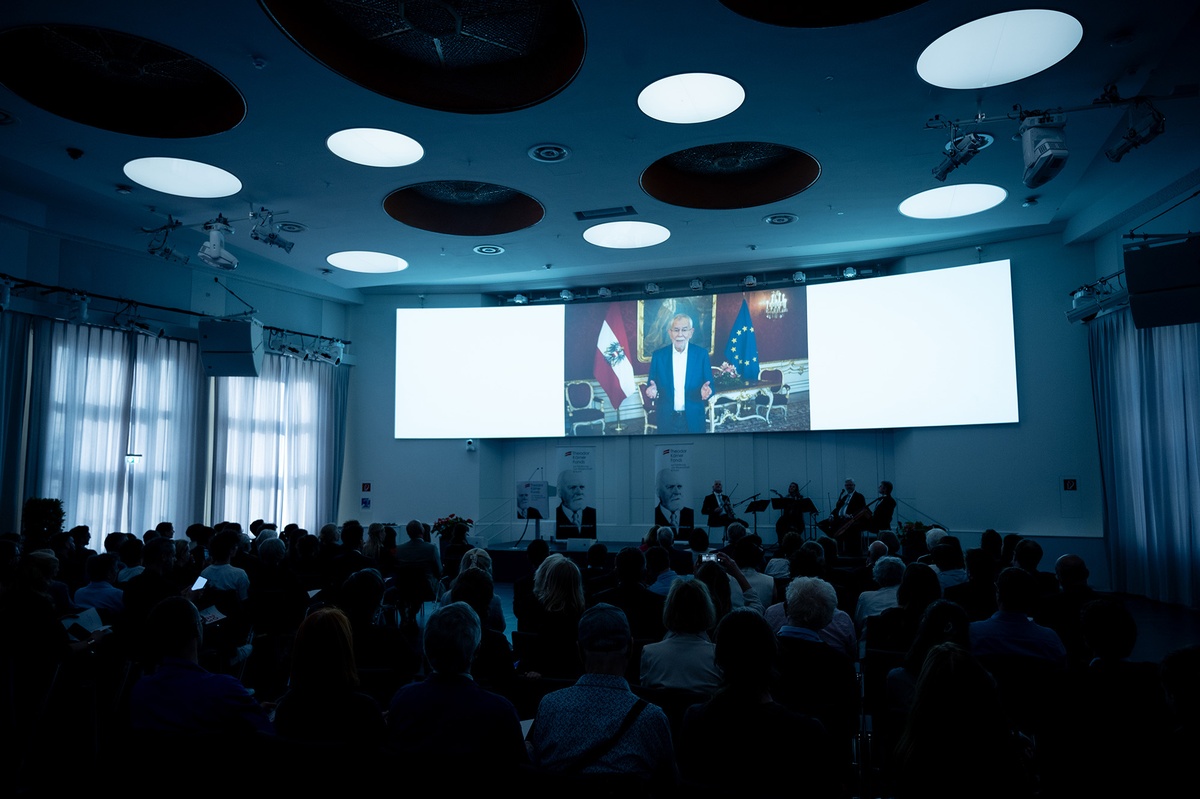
(1044, 147)
(1146, 124)
(266, 231)
(213, 251)
(959, 152)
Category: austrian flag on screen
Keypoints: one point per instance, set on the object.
(613, 370)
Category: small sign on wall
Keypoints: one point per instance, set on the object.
(1069, 500)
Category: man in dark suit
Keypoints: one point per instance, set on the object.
(680, 380)
(574, 518)
(524, 509)
(670, 512)
(881, 516)
(849, 503)
(717, 507)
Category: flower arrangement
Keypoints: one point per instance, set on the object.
(446, 524)
(726, 376)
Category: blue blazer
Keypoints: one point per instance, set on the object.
(699, 372)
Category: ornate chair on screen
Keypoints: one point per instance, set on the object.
(779, 391)
(583, 407)
(649, 412)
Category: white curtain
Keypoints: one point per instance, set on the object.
(85, 427)
(278, 443)
(1146, 387)
(166, 429)
(101, 394)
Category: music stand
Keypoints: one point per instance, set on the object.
(810, 510)
(756, 507)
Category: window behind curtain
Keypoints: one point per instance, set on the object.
(109, 394)
(271, 452)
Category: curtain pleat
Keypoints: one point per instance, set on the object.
(1146, 389)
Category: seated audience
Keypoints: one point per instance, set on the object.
(815, 678)
(1010, 631)
(957, 741)
(686, 657)
(181, 697)
(323, 703)
(641, 606)
(447, 724)
(887, 573)
(746, 654)
(598, 727)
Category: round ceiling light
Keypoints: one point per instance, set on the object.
(626, 235)
(691, 97)
(999, 49)
(367, 261)
(375, 147)
(948, 202)
(182, 178)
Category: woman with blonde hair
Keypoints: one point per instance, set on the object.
(476, 558)
(554, 619)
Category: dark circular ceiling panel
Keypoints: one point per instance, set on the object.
(117, 81)
(739, 174)
(463, 208)
(816, 15)
(467, 56)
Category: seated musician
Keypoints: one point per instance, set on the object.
(842, 523)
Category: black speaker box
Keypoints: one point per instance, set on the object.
(1164, 284)
(231, 347)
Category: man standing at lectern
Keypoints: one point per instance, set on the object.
(680, 380)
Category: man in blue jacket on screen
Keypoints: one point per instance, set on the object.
(680, 380)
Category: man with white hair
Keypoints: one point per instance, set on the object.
(816, 678)
(680, 378)
(670, 511)
(887, 573)
(573, 516)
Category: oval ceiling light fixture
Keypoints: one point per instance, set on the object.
(948, 202)
(375, 147)
(626, 235)
(999, 49)
(182, 177)
(367, 261)
(691, 97)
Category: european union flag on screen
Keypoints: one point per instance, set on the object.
(742, 350)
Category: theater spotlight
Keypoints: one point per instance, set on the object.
(1147, 126)
(651, 288)
(958, 152)
(799, 277)
(749, 282)
(213, 251)
(696, 284)
(849, 273)
(520, 299)
(566, 295)
(604, 292)
(1043, 148)
(264, 230)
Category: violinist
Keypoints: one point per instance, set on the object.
(791, 511)
(718, 507)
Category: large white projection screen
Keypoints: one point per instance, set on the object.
(915, 350)
(479, 372)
